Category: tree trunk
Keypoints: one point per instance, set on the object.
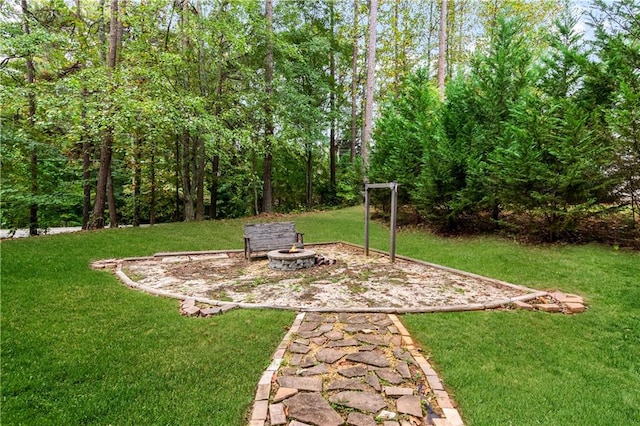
(254, 166)
(354, 83)
(371, 77)
(152, 178)
(442, 47)
(267, 184)
(33, 156)
(215, 159)
(200, 155)
(333, 149)
(97, 220)
(86, 169)
(332, 103)
(113, 37)
(215, 169)
(634, 204)
(86, 149)
(176, 212)
(101, 33)
(309, 177)
(199, 164)
(86, 184)
(186, 176)
(430, 37)
(191, 145)
(396, 48)
(120, 28)
(111, 201)
(137, 180)
(33, 172)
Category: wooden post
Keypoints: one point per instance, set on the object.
(393, 186)
(394, 208)
(366, 219)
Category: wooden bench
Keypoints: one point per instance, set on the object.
(270, 236)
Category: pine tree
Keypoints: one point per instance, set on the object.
(615, 84)
(407, 123)
(480, 112)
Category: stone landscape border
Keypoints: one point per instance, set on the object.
(532, 294)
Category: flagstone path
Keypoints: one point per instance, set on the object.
(356, 369)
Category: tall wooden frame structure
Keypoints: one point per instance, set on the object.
(393, 186)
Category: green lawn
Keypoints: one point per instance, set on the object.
(78, 347)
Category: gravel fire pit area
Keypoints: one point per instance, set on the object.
(350, 281)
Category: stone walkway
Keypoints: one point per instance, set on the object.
(359, 369)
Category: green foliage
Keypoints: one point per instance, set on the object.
(189, 92)
(513, 135)
(349, 188)
(553, 167)
(623, 120)
(456, 178)
(187, 88)
(445, 159)
(562, 70)
(58, 197)
(615, 82)
(498, 80)
(408, 123)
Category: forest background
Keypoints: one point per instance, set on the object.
(150, 111)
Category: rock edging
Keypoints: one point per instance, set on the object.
(553, 302)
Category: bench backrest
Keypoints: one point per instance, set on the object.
(270, 236)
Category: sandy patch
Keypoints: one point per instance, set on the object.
(354, 281)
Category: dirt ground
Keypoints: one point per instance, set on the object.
(354, 281)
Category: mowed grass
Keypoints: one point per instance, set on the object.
(79, 347)
(531, 368)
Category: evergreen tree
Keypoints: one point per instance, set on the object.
(478, 112)
(553, 166)
(615, 83)
(446, 158)
(406, 125)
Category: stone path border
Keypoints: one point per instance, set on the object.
(274, 401)
(537, 298)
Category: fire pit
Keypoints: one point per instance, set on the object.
(290, 260)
